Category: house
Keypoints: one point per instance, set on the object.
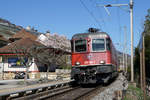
(16, 51)
(14, 56)
(23, 49)
(3, 41)
(23, 34)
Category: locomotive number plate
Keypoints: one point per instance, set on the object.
(89, 62)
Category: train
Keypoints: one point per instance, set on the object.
(94, 58)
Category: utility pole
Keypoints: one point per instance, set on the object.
(143, 71)
(125, 49)
(142, 64)
(123, 58)
(131, 29)
(126, 61)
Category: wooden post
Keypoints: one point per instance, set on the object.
(141, 74)
(144, 79)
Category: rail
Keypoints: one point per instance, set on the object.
(31, 88)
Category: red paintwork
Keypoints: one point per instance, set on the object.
(93, 58)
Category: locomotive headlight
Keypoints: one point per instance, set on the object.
(77, 63)
(102, 62)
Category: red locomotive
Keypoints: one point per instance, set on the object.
(94, 58)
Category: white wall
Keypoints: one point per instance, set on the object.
(1, 67)
(32, 68)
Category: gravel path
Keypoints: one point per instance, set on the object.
(120, 84)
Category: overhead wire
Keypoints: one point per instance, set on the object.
(92, 15)
(95, 3)
(119, 23)
(108, 19)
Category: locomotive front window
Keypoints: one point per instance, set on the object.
(98, 44)
(80, 45)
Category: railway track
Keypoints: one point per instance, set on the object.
(66, 92)
(62, 93)
(32, 91)
(79, 93)
(40, 95)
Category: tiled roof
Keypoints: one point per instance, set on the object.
(20, 45)
(2, 38)
(24, 34)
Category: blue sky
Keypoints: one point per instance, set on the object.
(68, 17)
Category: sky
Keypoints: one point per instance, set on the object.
(68, 17)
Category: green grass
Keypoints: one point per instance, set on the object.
(133, 93)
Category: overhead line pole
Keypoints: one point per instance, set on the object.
(131, 30)
(125, 49)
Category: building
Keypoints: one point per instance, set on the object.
(15, 53)
(12, 55)
(3, 41)
(55, 41)
(22, 49)
(23, 34)
(7, 29)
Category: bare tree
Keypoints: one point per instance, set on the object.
(24, 49)
(50, 56)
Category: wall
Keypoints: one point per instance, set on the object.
(7, 68)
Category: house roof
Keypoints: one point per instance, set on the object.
(24, 34)
(2, 38)
(20, 45)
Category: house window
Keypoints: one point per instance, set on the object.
(17, 62)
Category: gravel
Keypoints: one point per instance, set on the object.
(120, 84)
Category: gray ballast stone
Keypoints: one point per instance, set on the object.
(120, 84)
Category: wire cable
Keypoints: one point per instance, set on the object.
(92, 15)
(95, 3)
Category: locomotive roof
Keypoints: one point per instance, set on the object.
(95, 34)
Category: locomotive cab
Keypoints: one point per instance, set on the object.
(93, 58)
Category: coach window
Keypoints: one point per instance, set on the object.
(80, 45)
(98, 44)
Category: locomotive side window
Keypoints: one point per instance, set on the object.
(80, 45)
(72, 46)
(108, 44)
(98, 44)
